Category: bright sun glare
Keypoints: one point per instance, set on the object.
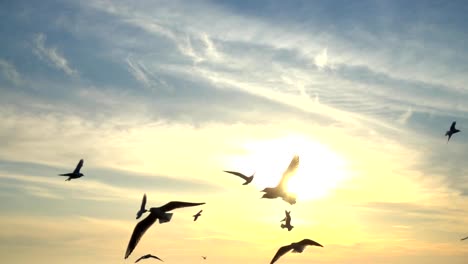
(320, 169)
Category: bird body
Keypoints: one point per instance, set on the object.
(142, 207)
(247, 179)
(195, 216)
(451, 131)
(156, 213)
(76, 173)
(297, 247)
(287, 220)
(147, 256)
(280, 189)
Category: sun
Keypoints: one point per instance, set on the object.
(320, 169)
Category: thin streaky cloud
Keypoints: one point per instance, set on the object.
(9, 71)
(51, 55)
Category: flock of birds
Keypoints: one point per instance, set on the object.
(163, 214)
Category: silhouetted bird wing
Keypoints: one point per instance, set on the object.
(139, 231)
(143, 203)
(175, 204)
(281, 251)
(78, 166)
(143, 257)
(290, 170)
(153, 256)
(309, 242)
(464, 238)
(238, 174)
(452, 127)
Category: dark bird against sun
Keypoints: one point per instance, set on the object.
(155, 214)
(297, 247)
(280, 189)
(247, 179)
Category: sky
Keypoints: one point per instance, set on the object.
(159, 97)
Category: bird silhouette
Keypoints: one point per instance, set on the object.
(287, 219)
(451, 131)
(297, 247)
(147, 256)
(195, 216)
(464, 238)
(204, 257)
(155, 214)
(76, 173)
(142, 207)
(280, 189)
(247, 179)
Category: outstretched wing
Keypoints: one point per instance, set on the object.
(78, 166)
(309, 242)
(464, 238)
(289, 171)
(142, 257)
(153, 256)
(175, 204)
(143, 202)
(238, 174)
(138, 232)
(452, 127)
(281, 251)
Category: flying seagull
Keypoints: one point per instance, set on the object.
(297, 247)
(464, 238)
(247, 179)
(156, 213)
(76, 173)
(147, 256)
(142, 207)
(287, 219)
(280, 189)
(195, 217)
(204, 257)
(452, 131)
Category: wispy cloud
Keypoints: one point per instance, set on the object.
(51, 55)
(9, 72)
(405, 116)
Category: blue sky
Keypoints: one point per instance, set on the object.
(159, 97)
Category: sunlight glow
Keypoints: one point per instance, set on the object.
(320, 169)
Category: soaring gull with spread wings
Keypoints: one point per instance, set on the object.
(156, 213)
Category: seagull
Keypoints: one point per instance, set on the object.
(195, 217)
(247, 179)
(287, 219)
(297, 247)
(204, 257)
(76, 173)
(464, 238)
(147, 256)
(280, 189)
(452, 131)
(155, 214)
(142, 207)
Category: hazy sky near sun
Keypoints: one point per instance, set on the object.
(159, 97)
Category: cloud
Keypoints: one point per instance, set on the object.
(51, 55)
(321, 59)
(9, 72)
(405, 116)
